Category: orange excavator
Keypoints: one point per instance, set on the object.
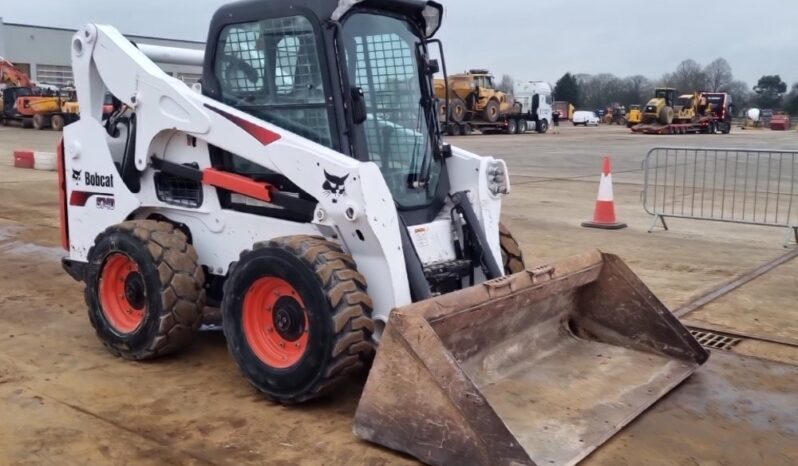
(18, 86)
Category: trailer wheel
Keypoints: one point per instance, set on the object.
(512, 257)
(491, 111)
(39, 121)
(522, 127)
(297, 317)
(542, 126)
(465, 129)
(144, 289)
(512, 127)
(27, 123)
(57, 122)
(452, 129)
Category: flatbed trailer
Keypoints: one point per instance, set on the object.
(707, 125)
(510, 123)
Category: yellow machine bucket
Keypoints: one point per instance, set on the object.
(540, 367)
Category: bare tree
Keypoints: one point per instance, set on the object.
(688, 77)
(719, 75)
(506, 84)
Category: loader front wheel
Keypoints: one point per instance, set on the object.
(512, 257)
(297, 317)
(144, 289)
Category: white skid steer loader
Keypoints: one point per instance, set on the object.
(304, 189)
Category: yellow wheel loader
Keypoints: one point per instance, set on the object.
(660, 109)
(306, 192)
(634, 116)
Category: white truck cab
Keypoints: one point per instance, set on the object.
(535, 98)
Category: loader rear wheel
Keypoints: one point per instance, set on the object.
(297, 317)
(665, 116)
(39, 121)
(144, 289)
(491, 111)
(512, 257)
(57, 122)
(458, 109)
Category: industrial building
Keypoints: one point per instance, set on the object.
(43, 52)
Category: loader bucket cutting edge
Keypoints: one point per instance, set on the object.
(540, 367)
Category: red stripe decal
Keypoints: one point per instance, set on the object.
(238, 184)
(62, 207)
(79, 198)
(263, 135)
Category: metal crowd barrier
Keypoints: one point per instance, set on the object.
(756, 187)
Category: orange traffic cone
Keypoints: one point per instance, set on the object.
(604, 215)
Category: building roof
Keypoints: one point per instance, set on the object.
(137, 36)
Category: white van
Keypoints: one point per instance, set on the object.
(585, 117)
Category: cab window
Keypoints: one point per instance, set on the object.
(270, 69)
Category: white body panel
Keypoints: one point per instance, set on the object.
(177, 124)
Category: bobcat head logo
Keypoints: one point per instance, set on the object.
(334, 186)
(76, 175)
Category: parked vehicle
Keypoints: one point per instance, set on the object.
(566, 109)
(586, 118)
(780, 122)
(531, 110)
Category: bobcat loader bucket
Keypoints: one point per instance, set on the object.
(540, 367)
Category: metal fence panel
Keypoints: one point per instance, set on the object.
(757, 187)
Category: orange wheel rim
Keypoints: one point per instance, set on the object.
(275, 322)
(123, 294)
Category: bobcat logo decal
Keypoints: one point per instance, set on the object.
(334, 186)
(76, 175)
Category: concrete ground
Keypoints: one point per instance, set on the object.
(65, 400)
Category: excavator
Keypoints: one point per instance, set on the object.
(305, 191)
(17, 84)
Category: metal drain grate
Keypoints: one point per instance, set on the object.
(714, 340)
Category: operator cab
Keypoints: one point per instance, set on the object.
(669, 95)
(351, 76)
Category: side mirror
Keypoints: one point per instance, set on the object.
(446, 151)
(359, 113)
(433, 66)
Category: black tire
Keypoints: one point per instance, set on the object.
(542, 126)
(512, 126)
(522, 127)
(491, 111)
(167, 274)
(458, 111)
(465, 129)
(57, 122)
(665, 116)
(335, 339)
(27, 123)
(39, 121)
(512, 257)
(452, 129)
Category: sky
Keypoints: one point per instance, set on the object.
(528, 39)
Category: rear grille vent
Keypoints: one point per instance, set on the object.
(714, 340)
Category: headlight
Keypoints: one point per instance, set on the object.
(432, 14)
(497, 178)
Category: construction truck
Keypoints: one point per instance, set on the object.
(531, 111)
(472, 95)
(696, 113)
(320, 210)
